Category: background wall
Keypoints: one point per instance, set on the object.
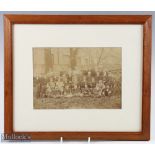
(102, 12)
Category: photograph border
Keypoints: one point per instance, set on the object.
(54, 104)
(145, 20)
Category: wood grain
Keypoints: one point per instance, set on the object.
(145, 20)
(8, 77)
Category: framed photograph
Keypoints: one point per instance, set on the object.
(78, 76)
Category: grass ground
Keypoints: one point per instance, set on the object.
(78, 103)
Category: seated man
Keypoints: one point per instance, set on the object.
(82, 83)
(108, 91)
(99, 90)
(67, 90)
(93, 85)
(86, 91)
(48, 90)
(76, 90)
(60, 87)
(52, 85)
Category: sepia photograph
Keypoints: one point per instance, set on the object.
(77, 77)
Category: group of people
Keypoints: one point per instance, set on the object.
(83, 84)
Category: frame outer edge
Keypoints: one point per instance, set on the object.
(146, 90)
(146, 20)
(8, 78)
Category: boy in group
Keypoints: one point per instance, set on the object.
(82, 84)
(48, 90)
(60, 87)
(51, 90)
(93, 85)
(68, 89)
(76, 89)
(42, 87)
(100, 87)
(86, 90)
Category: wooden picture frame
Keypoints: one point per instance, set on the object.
(145, 20)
